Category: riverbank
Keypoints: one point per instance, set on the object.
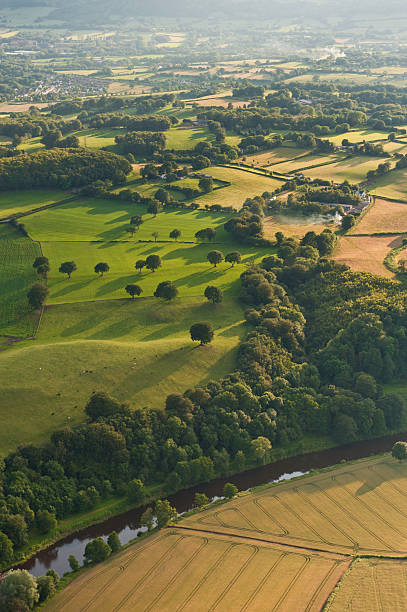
(55, 556)
(315, 523)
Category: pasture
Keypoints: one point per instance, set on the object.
(383, 216)
(275, 156)
(181, 138)
(244, 185)
(17, 254)
(96, 219)
(391, 185)
(360, 135)
(139, 351)
(372, 585)
(174, 570)
(353, 169)
(366, 253)
(360, 507)
(184, 264)
(296, 165)
(14, 202)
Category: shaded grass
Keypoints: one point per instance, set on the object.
(12, 202)
(391, 185)
(138, 351)
(17, 254)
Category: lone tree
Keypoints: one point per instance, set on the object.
(201, 332)
(40, 261)
(154, 207)
(175, 234)
(214, 257)
(73, 563)
(140, 264)
(43, 270)
(234, 258)
(206, 184)
(134, 290)
(132, 229)
(153, 262)
(67, 268)
(399, 451)
(213, 294)
(166, 290)
(200, 499)
(37, 295)
(101, 268)
(230, 490)
(155, 236)
(136, 220)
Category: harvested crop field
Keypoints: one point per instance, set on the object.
(196, 572)
(359, 507)
(293, 226)
(372, 585)
(366, 253)
(383, 216)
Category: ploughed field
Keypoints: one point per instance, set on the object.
(282, 547)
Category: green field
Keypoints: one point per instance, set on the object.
(13, 202)
(244, 185)
(185, 265)
(17, 254)
(353, 169)
(95, 219)
(179, 138)
(359, 136)
(137, 350)
(392, 185)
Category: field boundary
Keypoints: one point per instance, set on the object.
(38, 209)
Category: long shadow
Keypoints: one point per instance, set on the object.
(80, 327)
(71, 287)
(114, 285)
(197, 278)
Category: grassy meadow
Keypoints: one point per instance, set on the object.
(13, 202)
(139, 351)
(353, 169)
(17, 254)
(391, 185)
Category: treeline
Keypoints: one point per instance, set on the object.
(321, 341)
(152, 123)
(62, 168)
(141, 143)
(108, 104)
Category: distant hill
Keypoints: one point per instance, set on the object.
(104, 10)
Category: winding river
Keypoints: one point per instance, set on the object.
(127, 525)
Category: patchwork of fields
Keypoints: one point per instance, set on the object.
(284, 547)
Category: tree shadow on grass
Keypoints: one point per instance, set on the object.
(69, 288)
(110, 286)
(80, 327)
(203, 276)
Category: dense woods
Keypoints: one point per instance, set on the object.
(64, 168)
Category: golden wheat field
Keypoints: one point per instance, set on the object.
(383, 216)
(372, 585)
(366, 253)
(195, 572)
(361, 506)
(283, 548)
